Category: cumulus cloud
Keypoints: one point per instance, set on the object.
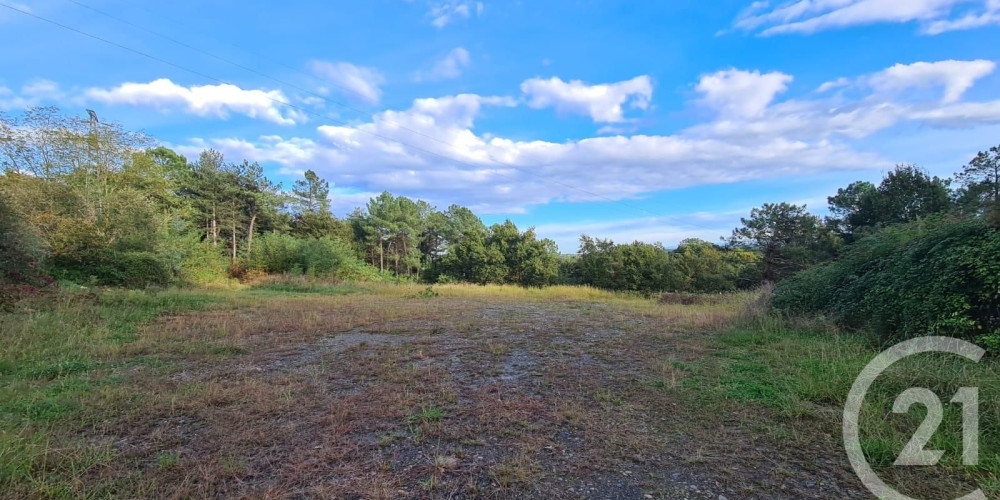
(448, 67)
(876, 102)
(502, 175)
(202, 100)
(954, 76)
(809, 16)
(603, 103)
(433, 150)
(359, 82)
(740, 93)
(443, 13)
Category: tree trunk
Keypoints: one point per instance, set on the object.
(381, 254)
(250, 234)
(215, 229)
(234, 240)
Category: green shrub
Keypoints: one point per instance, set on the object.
(275, 253)
(201, 264)
(110, 268)
(929, 277)
(20, 249)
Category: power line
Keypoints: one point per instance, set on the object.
(342, 104)
(231, 62)
(309, 112)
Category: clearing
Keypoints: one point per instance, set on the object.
(383, 391)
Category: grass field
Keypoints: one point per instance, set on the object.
(295, 389)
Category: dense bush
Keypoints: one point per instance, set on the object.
(318, 257)
(929, 277)
(111, 268)
(501, 254)
(19, 249)
(199, 263)
(694, 266)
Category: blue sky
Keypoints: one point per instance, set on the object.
(640, 120)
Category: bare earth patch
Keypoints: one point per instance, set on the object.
(449, 398)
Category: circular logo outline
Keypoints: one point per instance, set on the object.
(856, 397)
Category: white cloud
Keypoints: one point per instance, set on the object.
(834, 84)
(740, 93)
(433, 151)
(887, 98)
(990, 15)
(202, 100)
(955, 76)
(809, 16)
(443, 13)
(448, 67)
(35, 93)
(360, 82)
(603, 103)
(501, 175)
(962, 115)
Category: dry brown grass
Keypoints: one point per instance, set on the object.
(492, 392)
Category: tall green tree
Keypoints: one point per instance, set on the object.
(907, 193)
(207, 189)
(502, 255)
(787, 236)
(312, 194)
(390, 229)
(980, 180)
(258, 199)
(854, 207)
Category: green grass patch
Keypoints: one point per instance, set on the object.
(281, 287)
(426, 414)
(57, 354)
(805, 374)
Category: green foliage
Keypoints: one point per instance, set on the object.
(695, 266)
(111, 268)
(906, 194)
(929, 277)
(304, 284)
(709, 268)
(317, 257)
(787, 237)
(502, 255)
(639, 267)
(20, 250)
(981, 185)
(311, 194)
(198, 262)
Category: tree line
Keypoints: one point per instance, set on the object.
(94, 203)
